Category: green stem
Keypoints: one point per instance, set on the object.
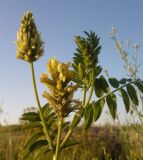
(84, 106)
(115, 90)
(60, 123)
(39, 108)
(84, 97)
(66, 138)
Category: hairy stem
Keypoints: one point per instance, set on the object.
(39, 108)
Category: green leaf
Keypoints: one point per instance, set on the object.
(104, 85)
(36, 135)
(98, 70)
(126, 100)
(139, 85)
(48, 114)
(46, 110)
(70, 143)
(112, 105)
(78, 81)
(38, 144)
(30, 116)
(65, 125)
(132, 94)
(51, 117)
(129, 80)
(97, 108)
(114, 82)
(32, 125)
(88, 117)
(123, 81)
(76, 119)
(97, 88)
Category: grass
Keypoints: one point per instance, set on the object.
(98, 143)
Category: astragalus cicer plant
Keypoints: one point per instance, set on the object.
(51, 129)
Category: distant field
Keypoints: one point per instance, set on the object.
(101, 143)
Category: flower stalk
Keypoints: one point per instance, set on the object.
(60, 123)
(39, 108)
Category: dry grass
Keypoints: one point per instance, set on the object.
(98, 143)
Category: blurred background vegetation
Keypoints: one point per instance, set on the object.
(98, 143)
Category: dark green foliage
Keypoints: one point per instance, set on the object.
(46, 110)
(139, 84)
(101, 86)
(132, 94)
(98, 88)
(77, 118)
(30, 116)
(38, 144)
(97, 108)
(70, 143)
(37, 139)
(27, 148)
(30, 125)
(88, 116)
(123, 81)
(36, 135)
(125, 99)
(114, 82)
(98, 70)
(102, 90)
(112, 104)
(104, 85)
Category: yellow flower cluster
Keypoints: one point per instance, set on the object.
(29, 43)
(61, 94)
(60, 74)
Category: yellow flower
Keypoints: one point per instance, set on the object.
(54, 63)
(61, 94)
(59, 71)
(52, 67)
(59, 85)
(29, 43)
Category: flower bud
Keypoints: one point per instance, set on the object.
(29, 43)
(80, 70)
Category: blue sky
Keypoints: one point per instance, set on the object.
(58, 22)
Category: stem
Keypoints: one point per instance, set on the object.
(116, 90)
(84, 97)
(84, 105)
(39, 108)
(66, 138)
(60, 123)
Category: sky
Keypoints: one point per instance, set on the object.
(58, 22)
